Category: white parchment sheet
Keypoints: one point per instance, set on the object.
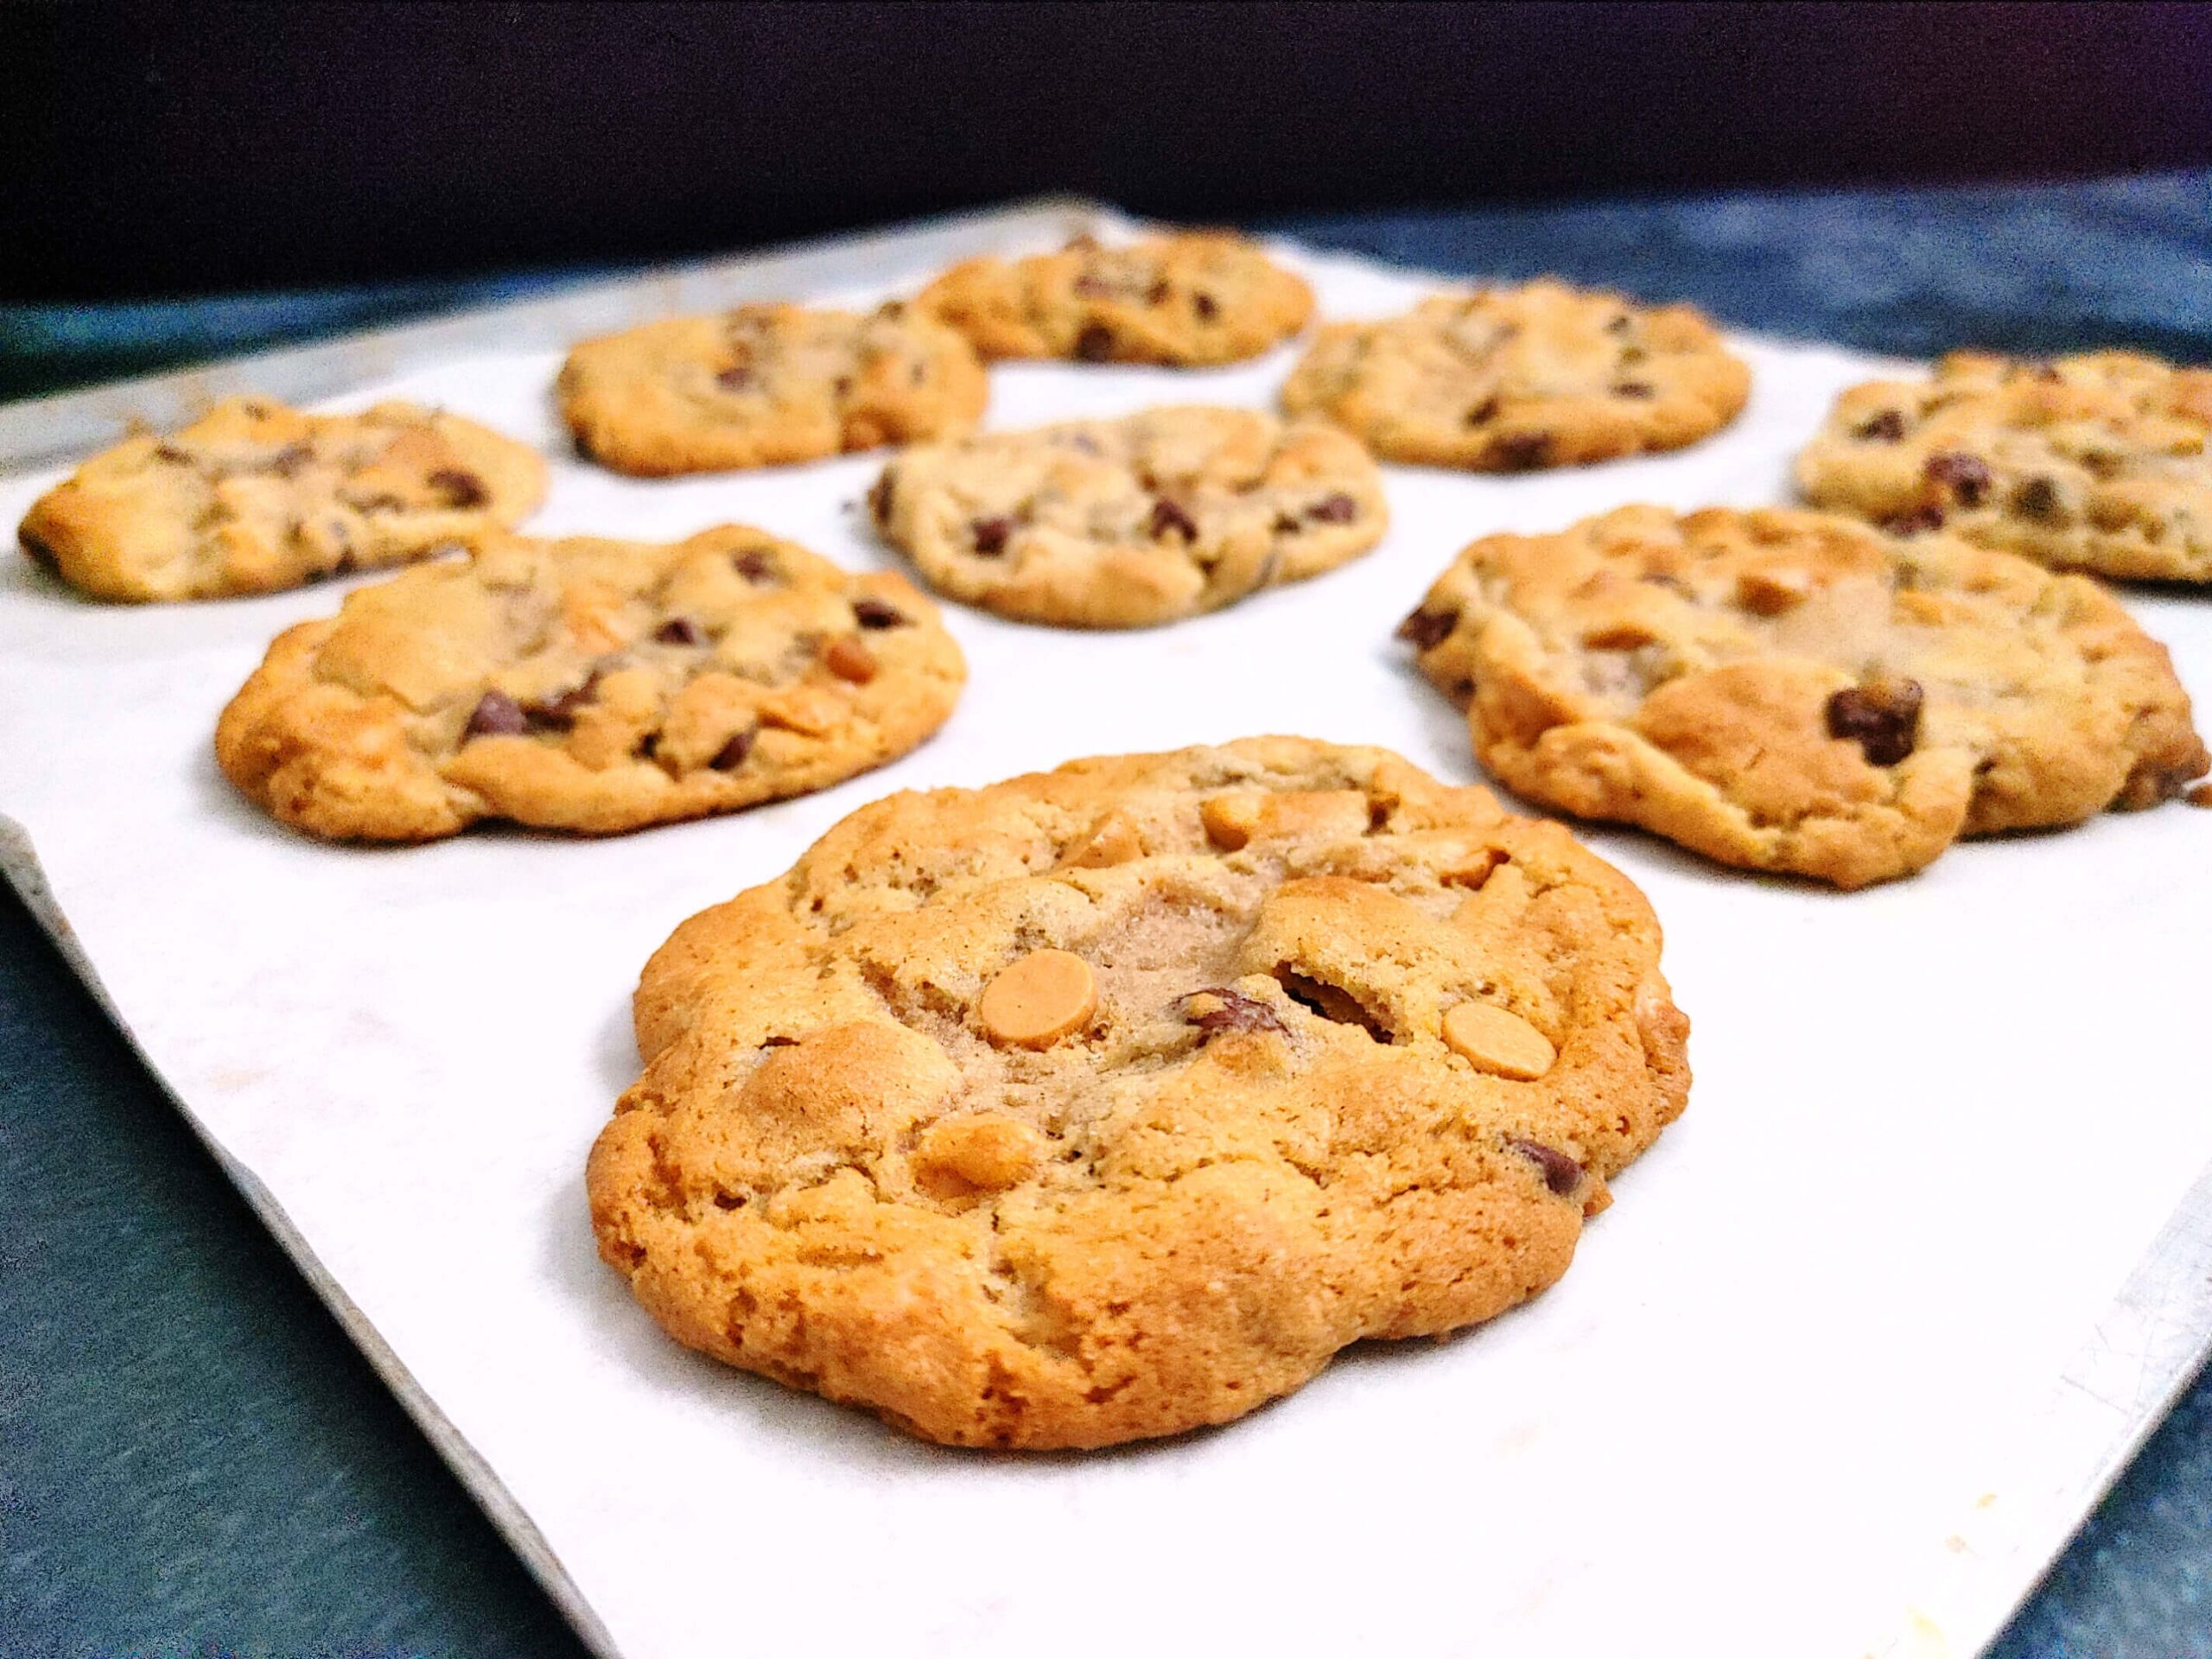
(1934, 1127)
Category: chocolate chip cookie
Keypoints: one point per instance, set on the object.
(1188, 299)
(1113, 1100)
(765, 386)
(1127, 522)
(588, 685)
(2096, 463)
(1792, 691)
(254, 497)
(1512, 379)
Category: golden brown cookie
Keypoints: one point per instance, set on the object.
(764, 385)
(1127, 523)
(1509, 379)
(1788, 690)
(588, 685)
(2097, 462)
(254, 497)
(1188, 299)
(1113, 1100)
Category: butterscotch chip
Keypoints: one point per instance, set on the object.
(1040, 1000)
(1129, 522)
(2101, 461)
(1509, 379)
(765, 386)
(254, 497)
(588, 685)
(1637, 667)
(1229, 820)
(1190, 298)
(837, 1171)
(1499, 1040)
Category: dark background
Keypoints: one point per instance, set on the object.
(163, 149)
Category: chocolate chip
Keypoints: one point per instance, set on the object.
(1620, 325)
(755, 567)
(497, 715)
(1520, 452)
(559, 713)
(990, 535)
(2037, 498)
(1156, 295)
(1236, 1012)
(1562, 1173)
(1427, 629)
(1095, 343)
(1338, 509)
(1285, 525)
(461, 489)
(736, 378)
(680, 631)
(1887, 427)
(874, 613)
(1481, 411)
(170, 453)
(1966, 476)
(731, 755)
(879, 499)
(1633, 388)
(1883, 716)
(1167, 516)
(1913, 522)
(1205, 305)
(842, 386)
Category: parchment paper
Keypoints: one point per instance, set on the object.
(1934, 1127)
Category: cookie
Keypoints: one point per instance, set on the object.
(1126, 522)
(1511, 379)
(588, 685)
(254, 497)
(1113, 1100)
(765, 386)
(1188, 299)
(1793, 690)
(2095, 462)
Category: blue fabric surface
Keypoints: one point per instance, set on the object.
(193, 1457)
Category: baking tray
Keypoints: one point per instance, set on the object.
(1865, 1339)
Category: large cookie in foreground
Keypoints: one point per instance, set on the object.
(254, 497)
(588, 685)
(765, 386)
(1188, 298)
(2096, 463)
(1511, 379)
(1113, 1100)
(1790, 691)
(1129, 522)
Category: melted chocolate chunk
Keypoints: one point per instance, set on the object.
(1427, 629)
(2037, 498)
(680, 631)
(1205, 305)
(1167, 516)
(559, 713)
(990, 535)
(756, 567)
(1520, 452)
(731, 755)
(1338, 509)
(736, 378)
(1481, 411)
(874, 613)
(1966, 476)
(1561, 1173)
(1882, 716)
(497, 715)
(1095, 343)
(1915, 523)
(1886, 427)
(1236, 1012)
(461, 489)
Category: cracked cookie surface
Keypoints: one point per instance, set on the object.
(1794, 690)
(1189, 299)
(1127, 523)
(254, 497)
(2093, 462)
(766, 385)
(1513, 380)
(1113, 1100)
(588, 685)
